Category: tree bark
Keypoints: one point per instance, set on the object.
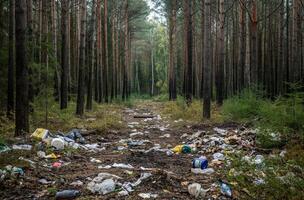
(82, 63)
(207, 61)
(188, 51)
(92, 64)
(106, 54)
(22, 101)
(221, 48)
(11, 62)
(64, 54)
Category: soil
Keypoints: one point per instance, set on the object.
(170, 175)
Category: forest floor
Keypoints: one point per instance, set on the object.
(142, 145)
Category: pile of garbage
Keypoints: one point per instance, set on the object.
(106, 183)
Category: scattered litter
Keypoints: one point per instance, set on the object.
(50, 156)
(169, 153)
(4, 148)
(123, 166)
(58, 143)
(225, 189)
(206, 171)
(128, 186)
(196, 190)
(148, 195)
(259, 181)
(218, 156)
(56, 164)
(32, 163)
(123, 193)
(14, 171)
(26, 147)
(67, 194)
(93, 160)
(103, 183)
(258, 160)
(105, 187)
(76, 136)
(201, 162)
(182, 149)
(282, 154)
(40, 134)
(180, 120)
(93, 147)
(165, 136)
(43, 181)
(222, 132)
(121, 148)
(41, 154)
(104, 167)
(143, 176)
(136, 134)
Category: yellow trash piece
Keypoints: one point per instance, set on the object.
(52, 156)
(178, 149)
(40, 134)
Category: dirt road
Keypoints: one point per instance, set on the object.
(144, 146)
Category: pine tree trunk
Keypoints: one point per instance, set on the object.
(242, 47)
(22, 101)
(207, 61)
(106, 54)
(11, 62)
(221, 48)
(92, 64)
(82, 63)
(253, 65)
(188, 51)
(64, 54)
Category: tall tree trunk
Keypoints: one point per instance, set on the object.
(57, 80)
(202, 46)
(22, 101)
(99, 68)
(242, 47)
(188, 50)
(31, 54)
(126, 50)
(92, 64)
(253, 65)
(287, 53)
(152, 64)
(64, 54)
(106, 54)
(82, 63)
(172, 51)
(221, 48)
(207, 61)
(11, 62)
(45, 57)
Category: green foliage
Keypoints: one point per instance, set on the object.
(103, 118)
(243, 107)
(283, 179)
(179, 110)
(282, 118)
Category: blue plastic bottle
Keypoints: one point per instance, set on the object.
(201, 163)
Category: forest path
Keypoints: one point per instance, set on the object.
(139, 150)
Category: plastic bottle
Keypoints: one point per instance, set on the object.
(67, 194)
(200, 162)
(225, 189)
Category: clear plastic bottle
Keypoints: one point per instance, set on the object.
(225, 189)
(67, 194)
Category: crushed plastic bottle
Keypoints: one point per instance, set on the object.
(67, 194)
(225, 189)
(200, 162)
